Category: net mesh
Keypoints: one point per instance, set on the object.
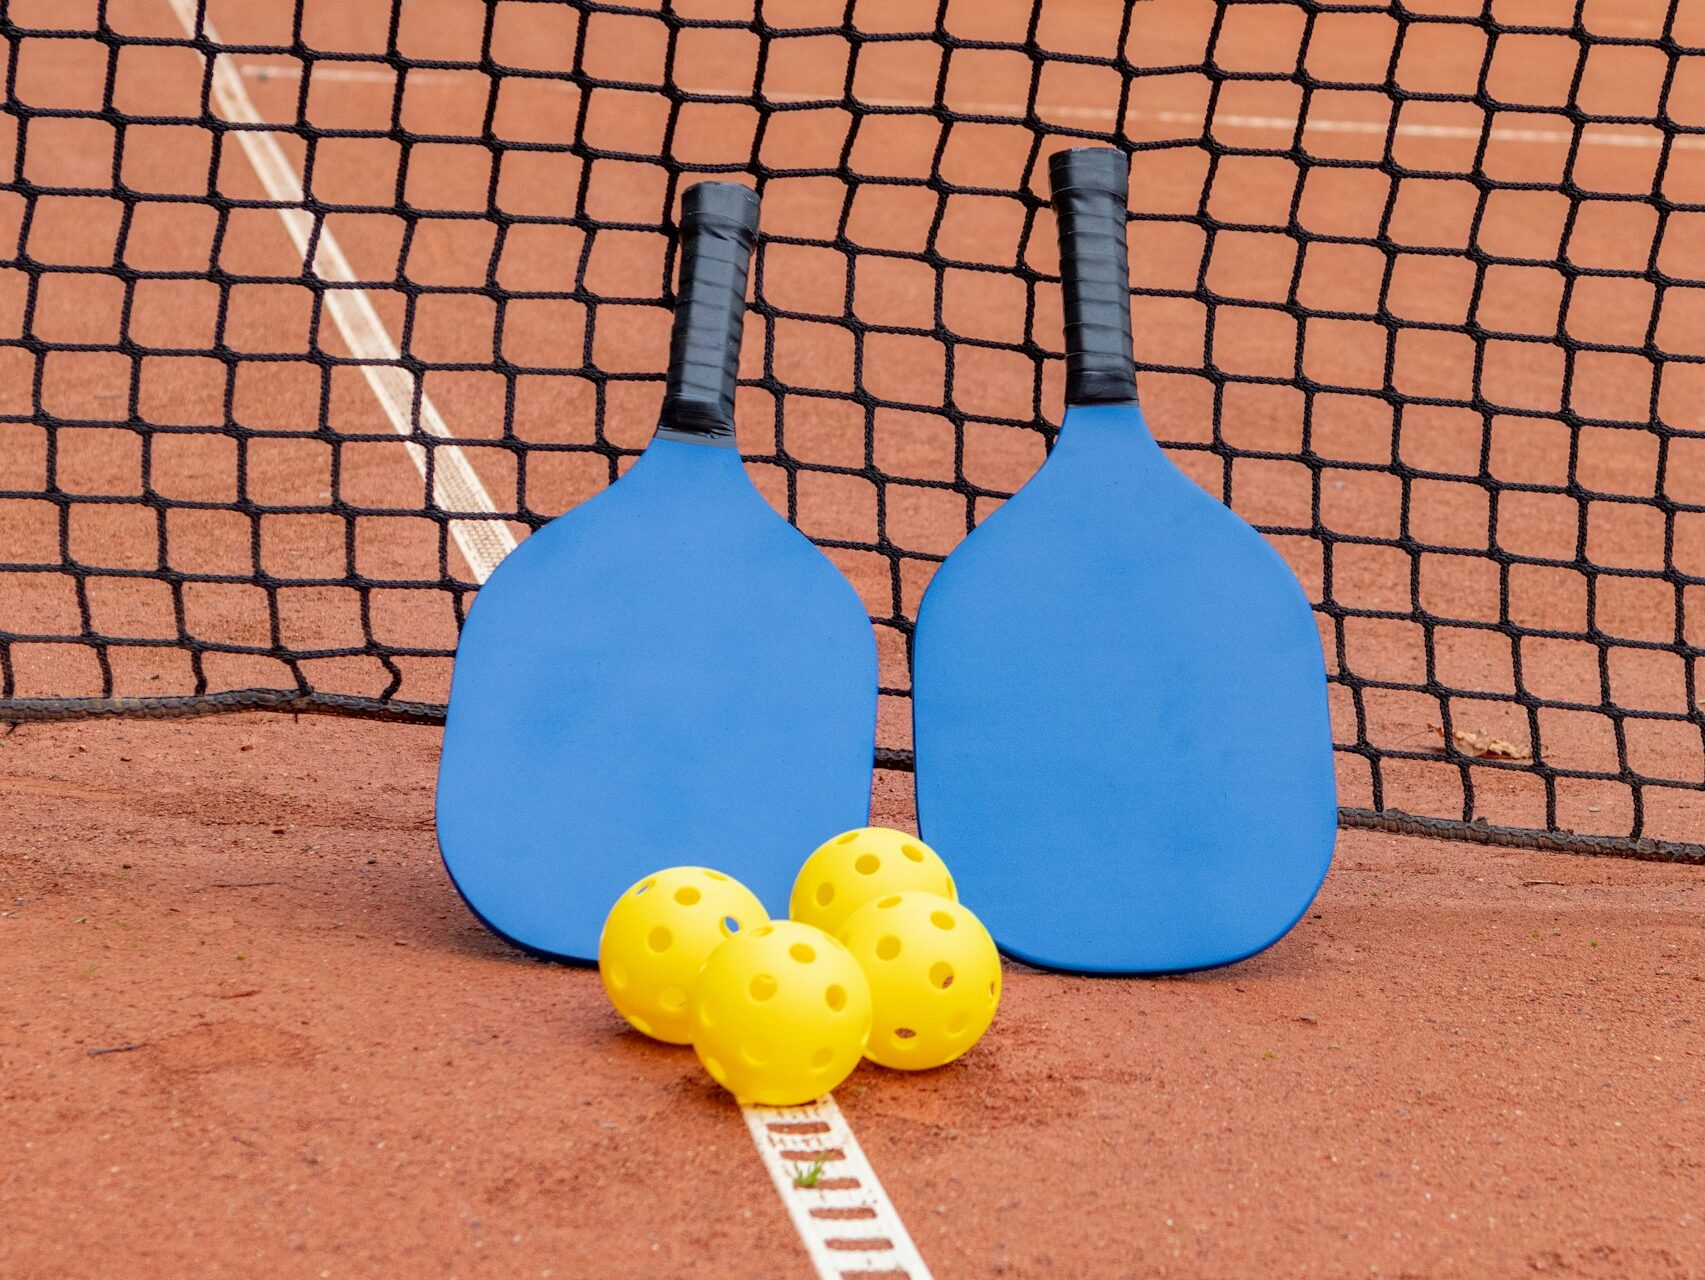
(309, 311)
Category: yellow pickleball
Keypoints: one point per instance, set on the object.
(658, 936)
(781, 1014)
(859, 865)
(935, 977)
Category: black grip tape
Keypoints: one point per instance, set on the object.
(719, 224)
(1090, 184)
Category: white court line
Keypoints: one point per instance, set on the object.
(872, 1237)
(1592, 135)
(846, 1229)
(455, 486)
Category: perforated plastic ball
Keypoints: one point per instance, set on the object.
(935, 978)
(781, 1014)
(657, 938)
(859, 865)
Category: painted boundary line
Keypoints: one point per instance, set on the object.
(1648, 137)
(846, 1222)
(455, 486)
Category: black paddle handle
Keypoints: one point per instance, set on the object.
(719, 224)
(1090, 184)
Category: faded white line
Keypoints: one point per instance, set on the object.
(1635, 137)
(1591, 135)
(847, 1222)
(455, 485)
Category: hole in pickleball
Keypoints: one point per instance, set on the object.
(886, 903)
(617, 973)
(762, 987)
(716, 1072)
(825, 894)
(672, 1000)
(991, 993)
(951, 891)
(715, 875)
(640, 1024)
(659, 939)
(903, 1034)
(756, 1051)
(941, 975)
(867, 864)
(888, 948)
(802, 953)
(708, 1012)
(686, 895)
(821, 1058)
(763, 931)
(941, 920)
(642, 888)
(912, 852)
(836, 995)
(846, 838)
(730, 926)
(956, 1024)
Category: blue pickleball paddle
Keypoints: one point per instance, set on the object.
(1120, 712)
(669, 673)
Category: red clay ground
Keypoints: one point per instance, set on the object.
(338, 1073)
(1464, 1062)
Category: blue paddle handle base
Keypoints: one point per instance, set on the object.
(1090, 185)
(719, 224)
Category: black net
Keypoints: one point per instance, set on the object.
(309, 310)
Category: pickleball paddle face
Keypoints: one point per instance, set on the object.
(669, 673)
(1120, 713)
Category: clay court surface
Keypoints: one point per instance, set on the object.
(247, 1027)
(1464, 1062)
